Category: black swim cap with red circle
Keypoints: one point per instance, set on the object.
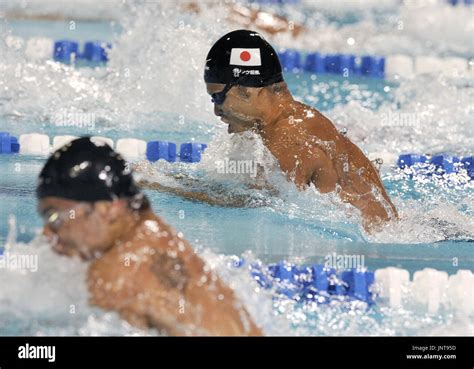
(243, 58)
(83, 170)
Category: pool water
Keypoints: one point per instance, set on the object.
(152, 88)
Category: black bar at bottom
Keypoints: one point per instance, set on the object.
(268, 352)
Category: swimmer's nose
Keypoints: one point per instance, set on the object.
(217, 110)
(48, 232)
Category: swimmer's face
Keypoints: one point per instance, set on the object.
(79, 228)
(241, 108)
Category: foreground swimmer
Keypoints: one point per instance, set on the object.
(140, 266)
(244, 77)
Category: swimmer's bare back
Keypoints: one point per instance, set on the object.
(310, 149)
(154, 279)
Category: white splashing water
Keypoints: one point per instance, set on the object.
(416, 28)
(54, 301)
(156, 66)
(51, 298)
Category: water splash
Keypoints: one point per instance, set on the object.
(281, 315)
(156, 66)
(383, 28)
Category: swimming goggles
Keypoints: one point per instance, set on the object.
(218, 98)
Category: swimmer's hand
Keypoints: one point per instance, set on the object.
(376, 213)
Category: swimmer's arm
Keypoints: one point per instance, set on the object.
(268, 22)
(359, 185)
(226, 201)
(362, 187)
(223, 200)
(245, 16)
(273, 191)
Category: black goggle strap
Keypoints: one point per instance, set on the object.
(219, 97)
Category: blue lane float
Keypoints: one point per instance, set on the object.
(315, 63)
(280, 2)
(290, 60)
(157, 150)
(372, 66)
(67, 51)
(96, 51)
(440, 164)
(344, 65)
(408, 160)
(460, 2)
(341, 64)
(330, 63)
(191, 152)
(8, 144)
(313, 283)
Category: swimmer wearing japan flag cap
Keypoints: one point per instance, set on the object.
(243, 75)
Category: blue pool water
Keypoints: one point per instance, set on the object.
(152, 89)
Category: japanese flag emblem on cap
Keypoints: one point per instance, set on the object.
(245, 57)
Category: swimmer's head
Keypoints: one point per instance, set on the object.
(240, 68)
(87, 198)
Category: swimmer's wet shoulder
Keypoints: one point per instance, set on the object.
(306, 144)
(155, 280)
(316, 152)
(301, 144)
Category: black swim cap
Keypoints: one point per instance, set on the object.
(85, 171)
(244, 58)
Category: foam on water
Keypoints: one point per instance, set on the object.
(54, 301)
(53, 9)
(384, 27)
(156, 66)
(135, 89)
(150, 53)
(429, 217)
(428, 115)
(268, 188)
(136, 82)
